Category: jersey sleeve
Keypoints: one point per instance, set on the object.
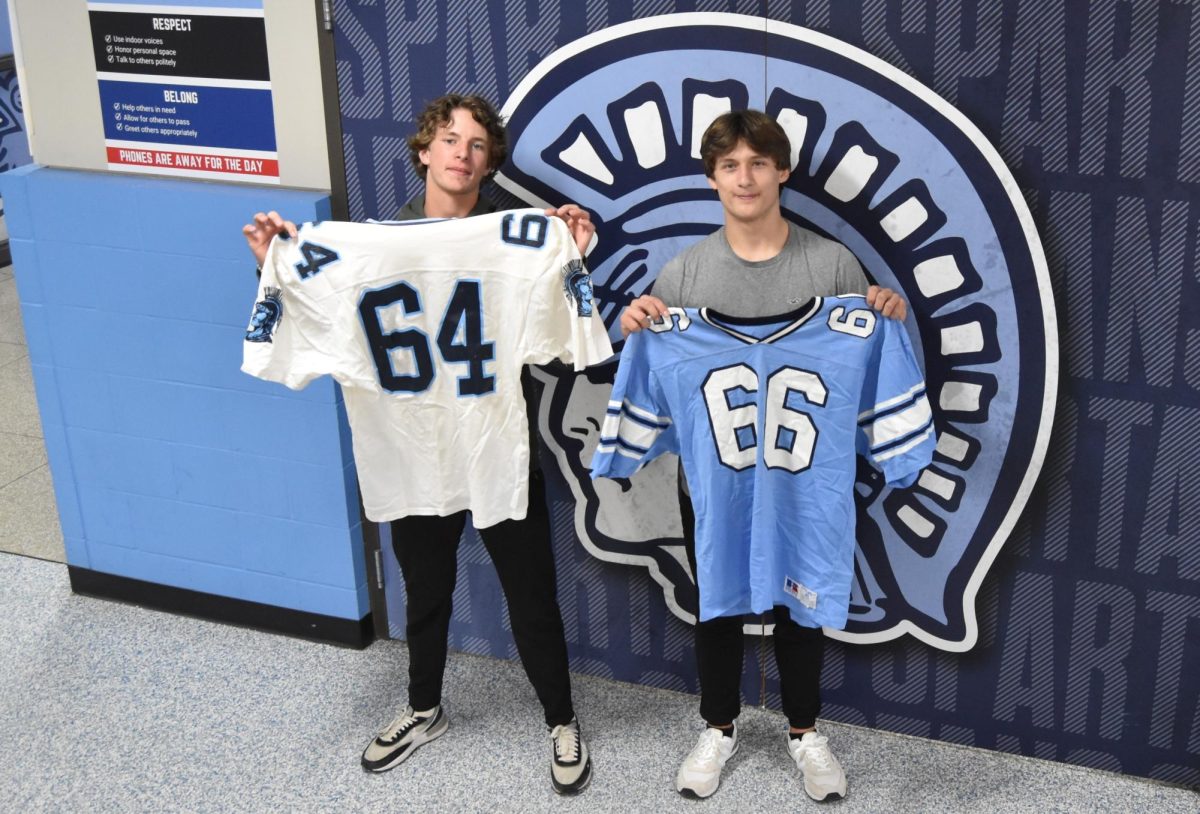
(637, 423)
(286, 334)
(894, 414)
(562, 321)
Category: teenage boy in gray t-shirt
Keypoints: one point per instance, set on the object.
(757, 264)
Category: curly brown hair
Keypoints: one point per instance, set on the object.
(438, 114)
(763, 134)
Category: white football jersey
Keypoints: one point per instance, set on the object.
(426, 325)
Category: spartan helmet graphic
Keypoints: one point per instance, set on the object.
(577, 285)
(881, 164)
(266, 315)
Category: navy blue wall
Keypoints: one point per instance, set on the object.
(1089, 619)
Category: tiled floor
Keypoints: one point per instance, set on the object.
(156, 670)
(28, 514)
(111, 707)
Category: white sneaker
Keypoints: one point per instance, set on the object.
(700, 773)
(823, 775)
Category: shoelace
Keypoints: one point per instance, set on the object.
(710, 743)
(396, 729)
(566, 742)
(817, 753)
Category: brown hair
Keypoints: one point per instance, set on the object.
(762, 133)
(438, 114)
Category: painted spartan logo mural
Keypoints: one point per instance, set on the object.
(613, 122)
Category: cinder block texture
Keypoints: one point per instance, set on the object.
(169, 464)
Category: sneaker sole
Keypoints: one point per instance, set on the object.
(828, 798)
(691, 794)
(433, 733)
(578, 786)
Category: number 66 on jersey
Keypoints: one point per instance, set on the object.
(768, 416)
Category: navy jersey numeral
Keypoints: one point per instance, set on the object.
(529, 231)
(464, 313)
(459, 339)
(382, 344)
(316, 257)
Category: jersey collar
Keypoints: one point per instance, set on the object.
(793, 320)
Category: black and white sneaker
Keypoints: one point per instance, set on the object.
(570, 764)
(402, 737)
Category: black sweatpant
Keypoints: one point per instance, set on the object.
(427, 550)
(719, 651)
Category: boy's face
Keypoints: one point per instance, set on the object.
(456, 160)
(747, 184)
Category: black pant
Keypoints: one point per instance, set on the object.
(427, 550)
(719, 651)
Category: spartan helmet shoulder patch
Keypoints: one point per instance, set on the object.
(577, 287)
(267, 314)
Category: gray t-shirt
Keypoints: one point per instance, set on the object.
(709, 274)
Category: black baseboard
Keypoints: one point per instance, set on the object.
(313, 626)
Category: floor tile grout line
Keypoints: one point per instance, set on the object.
(14, 360)
(41, 438)
(31, 556)
(4, 486)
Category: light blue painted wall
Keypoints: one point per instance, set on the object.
(170, 465)
(6, 42)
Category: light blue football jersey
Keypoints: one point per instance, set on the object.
(768, 415)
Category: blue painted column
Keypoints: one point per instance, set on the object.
(171, 467)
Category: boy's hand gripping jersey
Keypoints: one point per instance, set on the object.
(767, 415)
(426, 325)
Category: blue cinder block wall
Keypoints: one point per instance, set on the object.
(170, 465)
